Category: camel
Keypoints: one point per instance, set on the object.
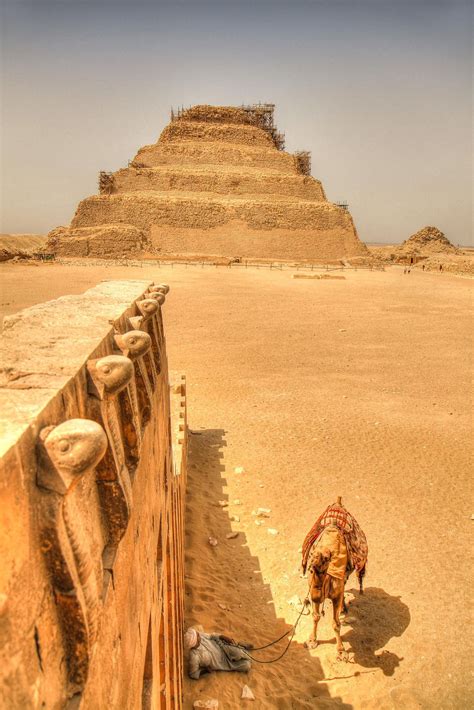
(323, 586)
(335, 546)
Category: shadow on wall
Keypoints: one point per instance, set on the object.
(225, 593)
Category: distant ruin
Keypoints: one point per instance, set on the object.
(217, 182)
(93, 470)
(427, 241)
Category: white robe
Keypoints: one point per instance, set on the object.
(211, 656)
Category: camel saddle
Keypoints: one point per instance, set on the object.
(336, 516)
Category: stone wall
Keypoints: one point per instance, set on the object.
(93, 469)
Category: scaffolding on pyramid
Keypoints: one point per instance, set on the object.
(303, 161)
(106, 183)
(260, 115)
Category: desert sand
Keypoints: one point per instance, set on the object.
(319, 388)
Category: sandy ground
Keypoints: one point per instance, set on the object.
(356, 387)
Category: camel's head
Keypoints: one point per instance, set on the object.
(321, 559)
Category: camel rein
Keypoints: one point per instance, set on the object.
(306, 602)
(272, 643)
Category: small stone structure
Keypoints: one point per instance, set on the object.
(219, 183)
(424, 243)
(93, 472)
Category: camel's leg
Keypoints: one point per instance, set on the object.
(313, 639)
(315, 594)
(337, 602)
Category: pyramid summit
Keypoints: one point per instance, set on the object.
(217, 182)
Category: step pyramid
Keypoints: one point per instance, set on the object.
(217, 182)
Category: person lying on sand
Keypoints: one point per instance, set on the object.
(213, 652)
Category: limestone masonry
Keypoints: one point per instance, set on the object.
(217, 182)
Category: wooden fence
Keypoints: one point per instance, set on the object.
(243, 264)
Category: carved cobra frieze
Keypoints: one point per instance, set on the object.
(136, 344)
(110, 404)
(161, 288)
(159, 298)
(71, 533)
(147, 321)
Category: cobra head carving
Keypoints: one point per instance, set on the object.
(112, 373)
(157, 296)
(162, 288)
(147, 307)
(134, 343)
(74, 447)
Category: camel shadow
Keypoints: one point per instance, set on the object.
(375, 617)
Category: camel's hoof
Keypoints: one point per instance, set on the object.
(311, 644)
(342, 656)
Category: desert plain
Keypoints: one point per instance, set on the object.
(299, 391)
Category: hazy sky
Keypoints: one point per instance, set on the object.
(378, 90)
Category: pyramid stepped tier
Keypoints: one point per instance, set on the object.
(143, 209)
(104, 241)
(216, 183)
(253, 115)
(179, 131)
(230, 181)
(195, 216)
(215, 154)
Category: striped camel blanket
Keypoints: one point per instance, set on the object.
(356, 542)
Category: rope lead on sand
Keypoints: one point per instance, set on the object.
(272, 643)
